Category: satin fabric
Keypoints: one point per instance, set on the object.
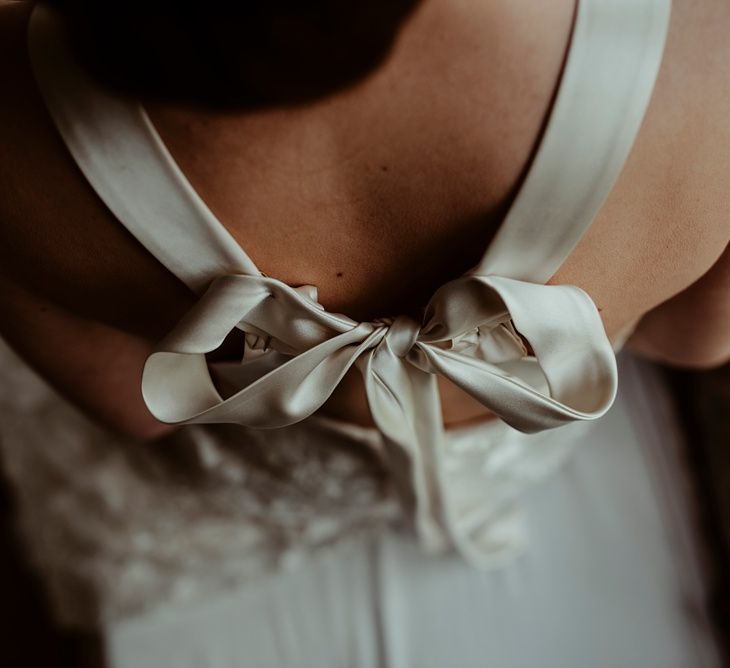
(472, 330)
(467, 335)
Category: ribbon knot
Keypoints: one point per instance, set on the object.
(468, 335)
(402, 334)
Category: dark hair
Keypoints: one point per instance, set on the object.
(233, 54)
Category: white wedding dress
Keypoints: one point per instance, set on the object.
(262, 534)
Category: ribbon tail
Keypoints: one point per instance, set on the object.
(448, 525)
(406, 407)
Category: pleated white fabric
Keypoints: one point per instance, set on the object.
(471, 331)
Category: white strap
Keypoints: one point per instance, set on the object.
(613, 58)
(613, 61)
(124, 159)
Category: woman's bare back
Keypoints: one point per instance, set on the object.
(376, 195)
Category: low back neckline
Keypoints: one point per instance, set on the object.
(583, 147)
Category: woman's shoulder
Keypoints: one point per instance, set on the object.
(59, 239)
(80, 300)
(665, 224)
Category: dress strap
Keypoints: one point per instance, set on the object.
(613, 60)
(117, 148)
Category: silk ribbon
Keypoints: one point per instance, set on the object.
(472, 331)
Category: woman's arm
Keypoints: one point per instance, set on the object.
(95, 365)
(693, 328)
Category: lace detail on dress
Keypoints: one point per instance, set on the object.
(118, 526)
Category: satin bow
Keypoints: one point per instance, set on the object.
(297, 353)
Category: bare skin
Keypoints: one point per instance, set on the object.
(377, 196)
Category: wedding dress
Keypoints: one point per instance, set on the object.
(263, 534)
